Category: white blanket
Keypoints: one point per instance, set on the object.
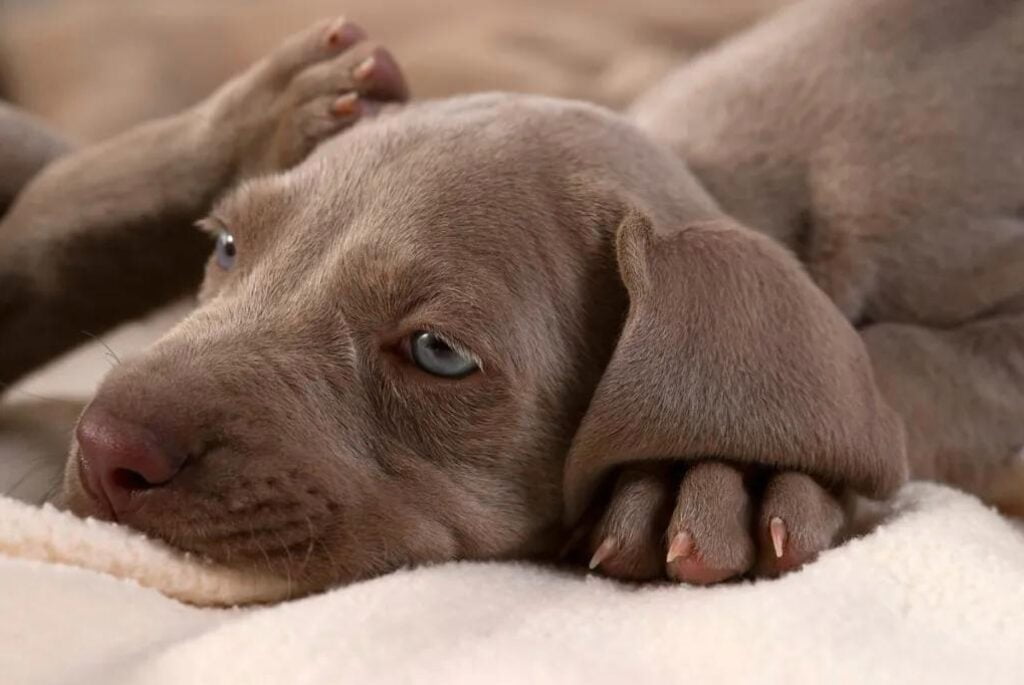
(935, 595)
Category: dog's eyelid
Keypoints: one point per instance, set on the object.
(459, 347)
(212, 225)
(422, 314)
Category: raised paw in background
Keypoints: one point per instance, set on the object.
(315, 85)
(104, 234)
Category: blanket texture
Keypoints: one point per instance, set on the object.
(935, 594)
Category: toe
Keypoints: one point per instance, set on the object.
(709, 533)
(798, 520)
(379, 77)
(367, 69)
(326, 116)
(322, 41)
(628, 541)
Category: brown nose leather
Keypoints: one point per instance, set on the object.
(119, 458)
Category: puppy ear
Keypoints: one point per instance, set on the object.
(730, 351)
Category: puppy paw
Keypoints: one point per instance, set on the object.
(313, 86)
(712, 523)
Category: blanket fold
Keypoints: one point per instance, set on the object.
(935, 594)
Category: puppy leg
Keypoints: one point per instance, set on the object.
(104, 235)
(961, 395)
(26, 146)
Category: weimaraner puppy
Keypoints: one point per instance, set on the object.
(794, 273)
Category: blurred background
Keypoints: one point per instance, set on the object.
(93, 68)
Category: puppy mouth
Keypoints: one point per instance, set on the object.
(277, 535)
(293, 542)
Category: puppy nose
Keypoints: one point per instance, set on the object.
(119, 458)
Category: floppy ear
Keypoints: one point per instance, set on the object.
(730, 351)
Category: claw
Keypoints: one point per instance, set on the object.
(681, 547)
(346, 104)
(364, 68)
(343, 34)
(607, 548)
(334, 32)
(777, 528)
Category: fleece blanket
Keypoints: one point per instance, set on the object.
(934, 594)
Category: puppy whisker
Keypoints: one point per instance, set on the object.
(9, 492)
(312, 543)
(52, 491)
(266, 557)
(111, 355)
(288, 566)
(327, 553)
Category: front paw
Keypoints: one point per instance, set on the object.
(713, 523)
(313, 86)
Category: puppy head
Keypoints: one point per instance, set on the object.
(394, 347)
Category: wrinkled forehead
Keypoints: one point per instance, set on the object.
(483, 169)
(405, 171)
(401, 220)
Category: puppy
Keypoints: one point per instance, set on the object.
(465, 326)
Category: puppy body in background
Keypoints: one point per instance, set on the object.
(462, 325)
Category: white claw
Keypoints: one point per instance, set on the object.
(681, 547)
(607, 548)
(777, 528)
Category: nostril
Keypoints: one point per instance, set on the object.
(120, 458)
(126, 479)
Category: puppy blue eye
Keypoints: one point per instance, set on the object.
(225, 250)
(435, 356)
